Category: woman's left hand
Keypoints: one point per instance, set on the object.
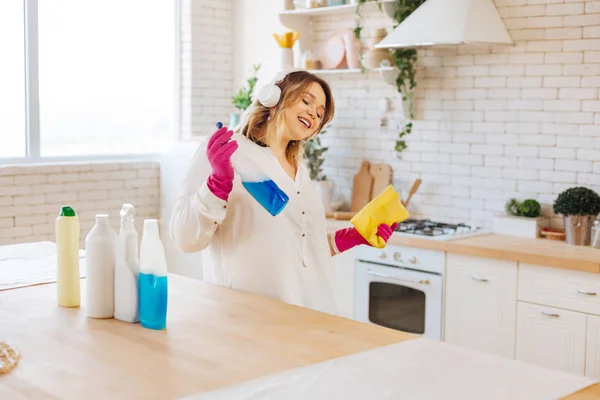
(347, 238)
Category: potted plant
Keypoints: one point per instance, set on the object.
(521, 219)
(579, 206)
(243, 98)
(313, 155)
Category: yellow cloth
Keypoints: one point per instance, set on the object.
(383, 209)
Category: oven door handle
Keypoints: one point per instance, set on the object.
(379, 274)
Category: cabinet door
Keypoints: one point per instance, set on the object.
(592, 352)
(480, 304)
(551, 337)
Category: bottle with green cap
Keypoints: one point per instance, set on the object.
(67, 250)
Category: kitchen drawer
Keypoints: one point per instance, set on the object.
(562, 288)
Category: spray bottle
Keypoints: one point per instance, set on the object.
(153, 283)
(260, 186)
(127, 269)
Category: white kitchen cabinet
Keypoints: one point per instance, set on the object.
(480, 304)
(551, 337)
(592, 351)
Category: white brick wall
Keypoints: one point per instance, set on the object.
(492, 121)
(31, 196)
(206, 65)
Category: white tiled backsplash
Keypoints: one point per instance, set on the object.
(206, 65)
(492, 122)
(31, 196)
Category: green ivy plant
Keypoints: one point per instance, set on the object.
(313, 154)
(404, 59)
(243, 98)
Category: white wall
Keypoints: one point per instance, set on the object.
(253, 41)
(174, 163)
(31, 196)
(206, 65)
(492, 122)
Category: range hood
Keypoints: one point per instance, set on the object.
(449, 22)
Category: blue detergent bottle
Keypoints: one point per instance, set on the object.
(152, 281)
(258, 183)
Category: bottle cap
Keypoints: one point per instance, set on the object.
(66, 211)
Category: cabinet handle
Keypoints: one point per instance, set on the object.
(586, 293)
(379, 274)
(479, 279)
(550, 314)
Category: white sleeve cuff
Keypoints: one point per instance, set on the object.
(207, 204)
(331, 238)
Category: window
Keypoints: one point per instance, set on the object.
(12, 80)
(105, 77)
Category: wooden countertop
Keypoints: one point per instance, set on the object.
(215, 337)
(542, 252)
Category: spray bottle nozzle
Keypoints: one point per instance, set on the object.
(127, 211)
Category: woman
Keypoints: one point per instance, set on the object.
(288, 256)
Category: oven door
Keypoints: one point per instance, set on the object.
(399, 298)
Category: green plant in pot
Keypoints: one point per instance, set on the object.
(313, 155)
(579, 206)
(243, 98)
(529, 208)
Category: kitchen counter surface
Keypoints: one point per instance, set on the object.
(215, 337)
(542, 252)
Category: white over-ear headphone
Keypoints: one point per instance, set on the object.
(270, 93)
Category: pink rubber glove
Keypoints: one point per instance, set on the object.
(345, 239)
(219, 151)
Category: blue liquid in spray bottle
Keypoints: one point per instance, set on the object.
(264, 190)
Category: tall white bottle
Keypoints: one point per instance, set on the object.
(100, 257)
(127, 269)
(68, 283)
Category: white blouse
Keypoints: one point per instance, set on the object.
(284, 257)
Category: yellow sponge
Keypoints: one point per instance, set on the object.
(383, 209)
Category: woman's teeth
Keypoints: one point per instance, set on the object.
(304, 121)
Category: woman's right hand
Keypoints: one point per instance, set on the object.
(219, 151)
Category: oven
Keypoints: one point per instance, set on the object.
(401, 288)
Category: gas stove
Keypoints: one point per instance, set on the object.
(437, 230)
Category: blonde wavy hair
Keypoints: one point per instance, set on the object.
(255, 123)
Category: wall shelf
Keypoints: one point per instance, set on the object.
(300, 20)
(387, 6)
(388, 74)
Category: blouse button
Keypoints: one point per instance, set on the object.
(303, 234)
(298, 192)
(302, 212)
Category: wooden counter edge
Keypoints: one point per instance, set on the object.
(462, 246)
(591, 392)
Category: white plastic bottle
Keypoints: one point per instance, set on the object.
(68, 280)
(153, 280)
(100, 257)
(127, 269)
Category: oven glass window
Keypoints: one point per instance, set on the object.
(397, 307)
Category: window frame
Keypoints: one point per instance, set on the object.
(32, 107)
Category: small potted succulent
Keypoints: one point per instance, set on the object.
(522, 219)
(579, 206)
